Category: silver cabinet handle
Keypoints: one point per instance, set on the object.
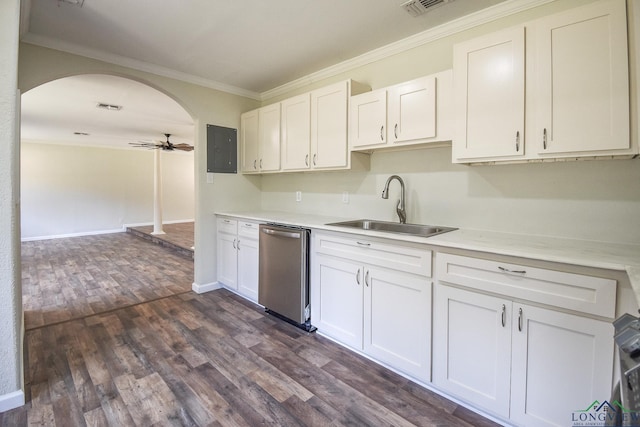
(255, 163)
(518, 140)
(363, 244)
(395, 131)
(504, 315)
(288, 234)
(260, 163)
(238, 244)
(506, 270)
(234, 244)
(306, 160)
(366, 279)
(314, 159)
(382, 133)
(544, 138)
(358, 276)
(520, 319)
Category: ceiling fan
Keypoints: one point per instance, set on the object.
(165, 145)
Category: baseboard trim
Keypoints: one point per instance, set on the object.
(62, 236)
(207, 287)
(11, 400)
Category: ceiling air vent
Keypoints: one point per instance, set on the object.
(418, 7)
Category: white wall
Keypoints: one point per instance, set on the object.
(68, 190)
(11, 319)
(594, 200)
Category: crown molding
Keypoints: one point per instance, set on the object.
(135, 64)
(500, 10)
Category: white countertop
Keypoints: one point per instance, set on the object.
(611, 256)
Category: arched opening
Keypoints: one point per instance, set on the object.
(80, 173)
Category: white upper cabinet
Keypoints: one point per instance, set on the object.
(249, 141)
(305, 132)
(329, 133)
(296, 132)
(269, 137)
(583, 80)
(571, 101)
(368, 119)
(489, 96)
(414, 112)
(260, 139)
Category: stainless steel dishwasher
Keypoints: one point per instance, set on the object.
(283, 273)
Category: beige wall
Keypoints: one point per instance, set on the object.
(11, 323)
(596, 200)
(67, 190)
(207, 106)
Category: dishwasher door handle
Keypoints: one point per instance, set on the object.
(288, 234)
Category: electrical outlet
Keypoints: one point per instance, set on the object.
(298, 196)
(345, 197)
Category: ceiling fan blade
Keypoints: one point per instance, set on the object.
(183, 147)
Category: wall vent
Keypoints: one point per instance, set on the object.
(418, 7)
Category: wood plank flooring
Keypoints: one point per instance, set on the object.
(69, 278)
(211, 360)
(178, 237)
(146, 351)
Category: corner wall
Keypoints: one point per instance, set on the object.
(72, 190)
(11, 317)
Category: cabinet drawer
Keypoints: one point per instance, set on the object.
(226, 225)
(248, 229)
(388, 255)
(587, 294)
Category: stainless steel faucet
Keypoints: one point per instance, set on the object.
(402, 214)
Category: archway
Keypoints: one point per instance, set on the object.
(93, 112)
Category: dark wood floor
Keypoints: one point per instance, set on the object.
(64, 279)
(198, 360)
(179, 236)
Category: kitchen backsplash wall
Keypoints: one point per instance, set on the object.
(592, 200)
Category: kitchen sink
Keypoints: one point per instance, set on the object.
(394, 227)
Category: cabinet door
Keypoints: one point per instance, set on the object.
(337, 302)
(368, 119)
(397, 320)
(412, 110)
(269, 136)
(583, 80)
(472, 347)
(561, 363)
(249, 141)
(248, 268)
(227, 260)
(296, 132)
(329, 126)
(489, 96)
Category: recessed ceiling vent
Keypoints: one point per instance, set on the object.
(110, 107)
(418, 7)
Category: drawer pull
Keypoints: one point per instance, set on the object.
(506, 270)
(366, 279)
(358, 276)
(234, 244)
(517, 141)
(364, 244)
(520, 319)
(382, 133)
(504, 315)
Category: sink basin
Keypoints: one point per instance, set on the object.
(394, 227)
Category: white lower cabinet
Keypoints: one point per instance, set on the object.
(531, 365)
(238, 256)
(383, 311)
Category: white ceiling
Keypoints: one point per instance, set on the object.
(245, 47)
